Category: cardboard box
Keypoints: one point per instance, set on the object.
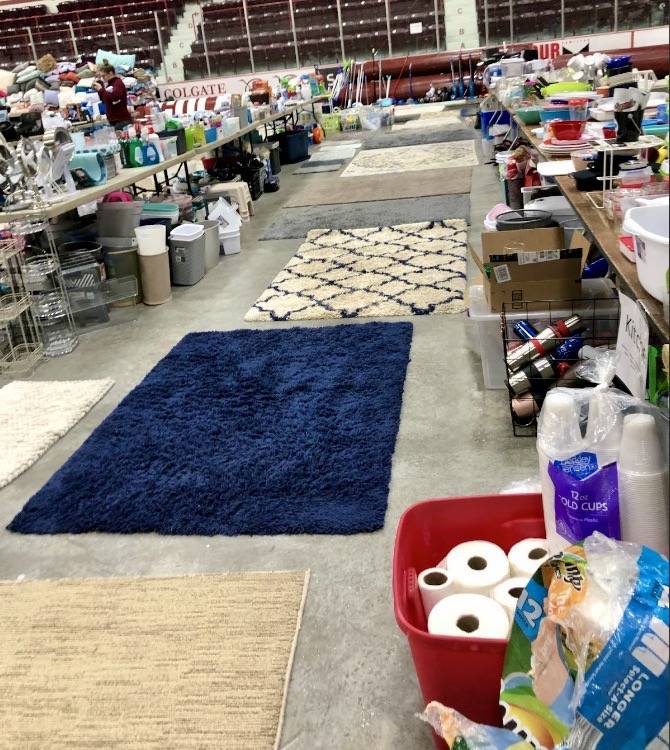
(525, 267)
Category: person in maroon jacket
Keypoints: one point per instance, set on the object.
(114, 96)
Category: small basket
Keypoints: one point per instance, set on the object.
(349, 121)
(330, 123)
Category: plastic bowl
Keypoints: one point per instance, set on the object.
(528, 115)
(554, 113)
(569, 130)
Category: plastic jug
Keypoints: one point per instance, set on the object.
(150, 153)
(190, 138)
(136, 153)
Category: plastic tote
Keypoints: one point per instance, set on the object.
(463, 673)
(649, 227)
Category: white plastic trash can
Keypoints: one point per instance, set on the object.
(187, 254)
(230, 240)
(212, 244)
(151, 239)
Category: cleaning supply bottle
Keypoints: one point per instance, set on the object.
(150, 154)
(136, 152)
(190, 137)
(155, 142)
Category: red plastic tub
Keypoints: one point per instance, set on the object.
(463, 673)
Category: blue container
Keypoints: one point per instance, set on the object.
(495, 117)
(293, 146)
(546, 115)
(210, 135)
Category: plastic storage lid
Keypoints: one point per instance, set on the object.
(187, 232)
(523, 219)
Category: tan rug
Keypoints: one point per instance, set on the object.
(331, 190)
(412, 159)
(429, 120)
(184, 663)
(408, 269)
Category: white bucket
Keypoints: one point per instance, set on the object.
(649, 227)
(230, 241)
(151, 239)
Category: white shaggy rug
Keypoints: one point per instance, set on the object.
(413, 158)
(35, 414)
(409, 269)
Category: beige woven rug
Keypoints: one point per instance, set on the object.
(412, 158)
(429, 120)
(35, 414)
(184, 663)
(409, 269)
(378, 187)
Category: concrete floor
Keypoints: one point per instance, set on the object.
(353, 684)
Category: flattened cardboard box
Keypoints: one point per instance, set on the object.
(533, 270)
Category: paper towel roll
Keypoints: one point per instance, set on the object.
(476, 566)
(434, 585)
(526, 556)
(469, 616)
(507, 595)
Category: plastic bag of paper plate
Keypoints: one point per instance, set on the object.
(587, 662)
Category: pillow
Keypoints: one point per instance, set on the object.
(29, 74)
(119, 62)
(6, 79)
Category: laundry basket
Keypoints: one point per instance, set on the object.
(462, 673)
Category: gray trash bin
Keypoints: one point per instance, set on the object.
(187, 254)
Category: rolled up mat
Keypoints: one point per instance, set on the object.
(88, 168)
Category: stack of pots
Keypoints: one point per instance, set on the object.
(154, 263)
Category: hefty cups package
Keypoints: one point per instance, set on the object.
(587, 662)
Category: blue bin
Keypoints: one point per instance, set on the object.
(495, 117)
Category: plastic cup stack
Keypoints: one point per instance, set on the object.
(643, 484)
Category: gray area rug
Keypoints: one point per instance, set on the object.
(326, 165)
(378, 187)
(416, 137)
(294, 223)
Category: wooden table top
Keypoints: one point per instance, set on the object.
(606, 238)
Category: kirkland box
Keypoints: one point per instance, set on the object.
(530, 265)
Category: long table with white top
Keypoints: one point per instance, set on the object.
(133, 175)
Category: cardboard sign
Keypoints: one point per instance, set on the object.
(632, 346)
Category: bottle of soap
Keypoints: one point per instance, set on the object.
(136, 152)
(155, 142)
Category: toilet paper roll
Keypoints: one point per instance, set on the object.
(434, 585)
(476, 566)
(469, 616)
(507, 595)
(526, 556)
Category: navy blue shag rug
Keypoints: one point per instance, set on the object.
(242, 432)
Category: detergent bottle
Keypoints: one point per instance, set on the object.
(190, 137)
(150, 153)
(154, 144)
(136, 152)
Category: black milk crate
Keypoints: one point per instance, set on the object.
(600, 319)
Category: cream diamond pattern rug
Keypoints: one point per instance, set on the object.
(409, 269)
